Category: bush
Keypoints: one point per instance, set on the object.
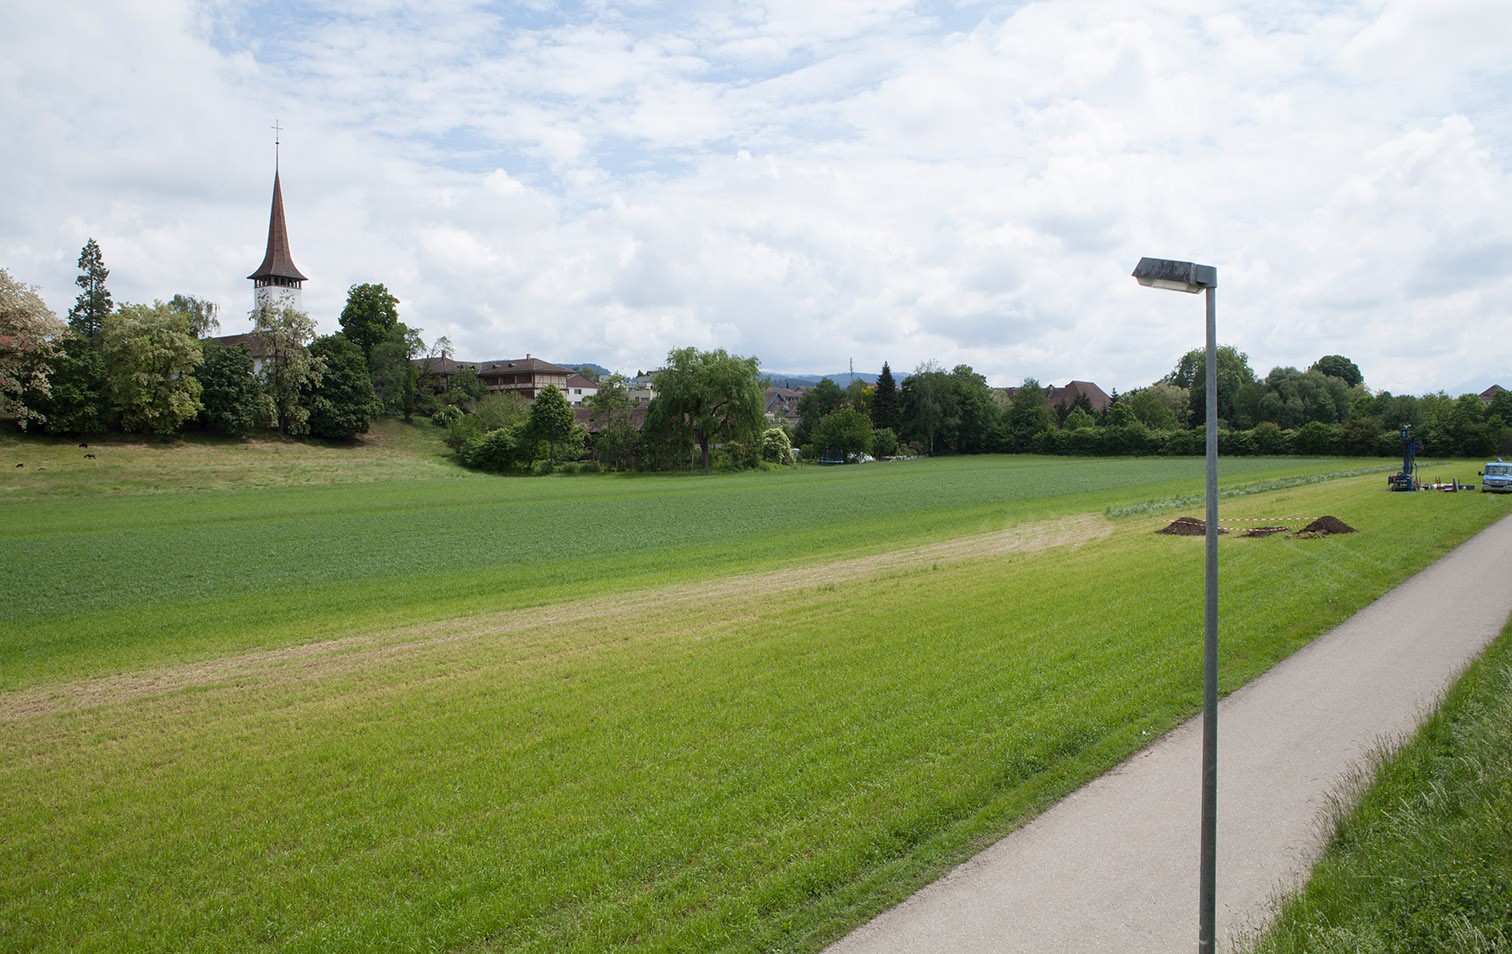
(1233, 444)
(467, 428)
(1188, 443)
(1266, 439)
(1083, 441)
(776, 448)
(884, 442)
(498, 451)
(1315, 438)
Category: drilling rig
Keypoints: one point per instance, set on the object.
(1406, 478)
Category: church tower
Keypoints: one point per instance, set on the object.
(277, 280)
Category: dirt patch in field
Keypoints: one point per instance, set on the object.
(1187, 527)
(352, 653)
(1262, 531)
(1322, 527)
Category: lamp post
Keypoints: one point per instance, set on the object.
(1193, 278)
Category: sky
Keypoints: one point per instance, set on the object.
(819, 184)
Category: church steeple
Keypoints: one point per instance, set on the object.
(277, 279)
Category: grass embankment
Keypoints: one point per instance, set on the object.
(1423, 861)
(739, 713)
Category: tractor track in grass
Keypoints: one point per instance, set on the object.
(346, 654)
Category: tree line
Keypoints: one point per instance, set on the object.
(151, 369)
(1325, 410)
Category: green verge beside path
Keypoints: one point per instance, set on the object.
(1422, 857)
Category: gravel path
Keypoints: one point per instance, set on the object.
(1113, 867)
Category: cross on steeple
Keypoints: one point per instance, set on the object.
(277, 129)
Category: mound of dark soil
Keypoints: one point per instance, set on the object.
(1323, 526)
(1188, 527)
(1262, 531)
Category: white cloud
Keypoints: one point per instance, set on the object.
(810, 183)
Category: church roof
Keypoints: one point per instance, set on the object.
(277, 263)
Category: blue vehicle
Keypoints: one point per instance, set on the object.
(1497, 478)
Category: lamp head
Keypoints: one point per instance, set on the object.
(1174, 275)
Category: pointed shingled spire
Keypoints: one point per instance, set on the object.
(277, 267)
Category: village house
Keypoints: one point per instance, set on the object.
(642, 388)
(527, 376)
(579, 389)
(782, 405)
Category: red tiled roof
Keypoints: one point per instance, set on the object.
(1067, 395)
(252, 341)
(521, 364)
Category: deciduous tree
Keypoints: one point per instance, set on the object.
(503, 409)
(847, 430)
(928, 407)
(551, 420)
(203, 315)
(150, 357)
(232, 402)
(76, 402)
(1028, 416)
(1233, 373)
(1160, 407)
(289, 370)
(776, 446)
(370, 317)
(396, 378)
(707, 397)
(29, 336)
(1338, 366)
(817, 403)
(611, 418)
(341, 403)
(975, 412)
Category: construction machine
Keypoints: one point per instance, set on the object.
(1406, 478)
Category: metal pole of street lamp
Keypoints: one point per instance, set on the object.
(1190, 277)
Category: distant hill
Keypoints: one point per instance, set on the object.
(578, 366)
(782, 379)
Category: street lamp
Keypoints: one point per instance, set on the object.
(1193, 278)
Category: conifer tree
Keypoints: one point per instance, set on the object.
(884, 409)
(87, 317)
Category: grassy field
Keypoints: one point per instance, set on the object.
(300, 698)
(1423, 860)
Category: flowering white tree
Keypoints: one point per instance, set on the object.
(29, 332)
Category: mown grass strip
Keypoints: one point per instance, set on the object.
(1422, 856)
(1248, 489)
